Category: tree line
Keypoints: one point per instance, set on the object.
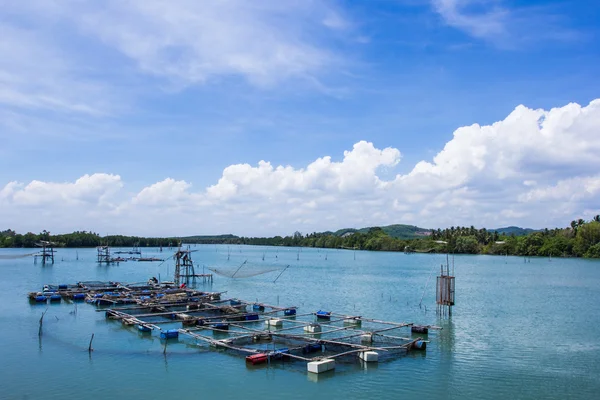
(580, 239)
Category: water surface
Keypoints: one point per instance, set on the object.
(519, 330)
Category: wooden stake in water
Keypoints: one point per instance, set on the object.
(281, 273)
(41, 322)
(90, 346)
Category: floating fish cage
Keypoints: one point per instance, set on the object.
(319, 338)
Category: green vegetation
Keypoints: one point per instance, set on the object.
(580, 239)
(397, 231)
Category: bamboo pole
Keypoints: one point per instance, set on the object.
(90, 346)
(42, 322)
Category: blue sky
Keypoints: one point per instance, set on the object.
(154, 101)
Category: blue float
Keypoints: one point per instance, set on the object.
(290, 311)
(252, 317)
(56, 297)
(323, 314)
(78, 296)
(40, 299)
(223, 327)
(169, 334)
(143, 328)
(311, 348)
(420, 345)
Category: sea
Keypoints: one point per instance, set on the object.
(522, 328)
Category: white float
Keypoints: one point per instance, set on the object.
(368, 356)
(312, 328)
(274, 322)
(317, 367)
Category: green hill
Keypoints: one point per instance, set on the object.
(398, 231)
(509, 230)
(203, 238)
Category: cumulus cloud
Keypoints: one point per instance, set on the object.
(92, 190)
(490, 176)
(166, 192)
(355, 174)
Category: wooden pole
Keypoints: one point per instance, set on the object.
(281, 273)
(41, 322)
(90, 346)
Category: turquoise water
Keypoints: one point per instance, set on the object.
(519, 330)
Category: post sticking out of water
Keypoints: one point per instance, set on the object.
(90, 346)
(41, 322)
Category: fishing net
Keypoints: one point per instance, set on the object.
(15, 256)
(245, 272)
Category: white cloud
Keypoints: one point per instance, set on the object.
(94, 58)
(193, 41)
(483, 24)
(568, 190)
(503, 24)
(489, 176)
(355, 174)
(168, 191)
(89, 190)
(35, 74)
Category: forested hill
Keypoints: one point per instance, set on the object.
(397, 231)
(514, 230)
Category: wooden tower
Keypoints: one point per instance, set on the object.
(444, 291)
(103, 254)
(184, 267)
(47, 253)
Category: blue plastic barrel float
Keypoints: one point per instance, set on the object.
(289, 311)
(145, 329)
(323, 314)
(78, 296)
(62, 287)
(281, 353)
(222, 327)
(258, 307)
(169, 334)
(311, 348)
(235, 302)
(40, 299)
(252, 317)
(420, 345)
(56, 297)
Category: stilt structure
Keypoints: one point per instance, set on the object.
(103, 254)
(184, 268)
(47, 253)
(444, 296)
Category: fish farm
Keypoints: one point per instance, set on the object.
(261, 333)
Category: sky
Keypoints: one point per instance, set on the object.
(184, 117)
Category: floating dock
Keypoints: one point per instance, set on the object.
(261, 332)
